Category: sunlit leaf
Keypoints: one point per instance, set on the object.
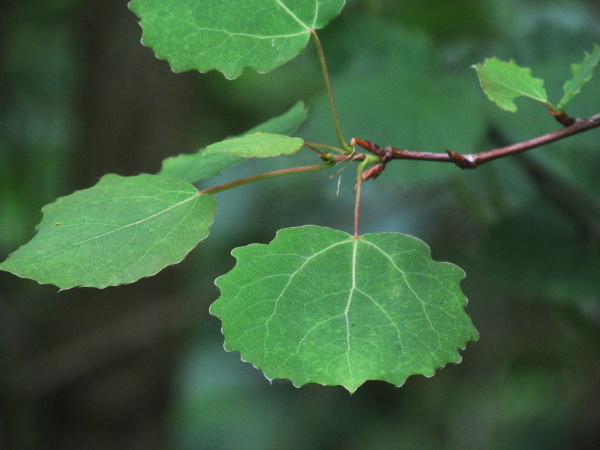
(197, 166)
(504, 81)
(116, 232)
(231, 35)
(318, 305)
(257, 145)
(582, 73)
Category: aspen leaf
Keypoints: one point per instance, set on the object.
(116, 232)
(504, 81)
(231, 35)
(196, 166)
(317, 305)
(257, 145)
(582, 73)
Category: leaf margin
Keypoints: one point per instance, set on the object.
(501, 93)
(581, 74)
(216, 309)
(63, 210)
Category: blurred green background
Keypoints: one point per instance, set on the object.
(142, 366)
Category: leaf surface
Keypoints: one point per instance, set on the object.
(257, 145)
(231, 35)
(504, 81)
(116, 232)
(197, 166)
(582, 73)
(318, 305)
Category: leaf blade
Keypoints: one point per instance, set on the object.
(257, 145)
(582, 73)
(317, 305)
(116, 232)
(503, 82)
(229, 36)
(196, 166)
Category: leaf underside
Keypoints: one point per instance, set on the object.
(197, 166)
(504, 81)
(317, 305)
(231, 35)
(116, 232)
(257, 145)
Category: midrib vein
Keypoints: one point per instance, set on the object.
(116, 230)
(292, 15)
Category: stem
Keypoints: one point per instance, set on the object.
(358, 190)
(474, 160)
(331, 148)
(577, 127)
(264, 176)
(322, 154)
(336, 121)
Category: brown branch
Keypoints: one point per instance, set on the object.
(473, 160)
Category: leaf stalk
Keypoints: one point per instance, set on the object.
(336, 120)
(265, 176)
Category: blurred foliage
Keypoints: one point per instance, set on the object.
(142, 366)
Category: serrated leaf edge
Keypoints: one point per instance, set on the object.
(512, 108)
(60, 289)
(350, 390)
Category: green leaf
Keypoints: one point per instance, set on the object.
(197, 166)
(257, 145)
(116, 232)
(318, 305)
(503, 81)
(582, 73)
(229, 36)
(194, 167)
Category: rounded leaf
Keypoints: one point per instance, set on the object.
(116, 232)
(231, 35)
(319, 305)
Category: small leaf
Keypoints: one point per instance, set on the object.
(257, 145)
(231, 35)
(318, 305)
(503, 81)
(197, 166)
(582, 73)
(116, 232)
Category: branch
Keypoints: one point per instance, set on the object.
(474, 160)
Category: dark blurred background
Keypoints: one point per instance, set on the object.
(142, 366)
